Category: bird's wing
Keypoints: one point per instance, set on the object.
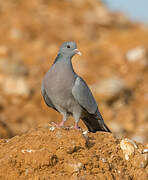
(83, 95)
(46, 97)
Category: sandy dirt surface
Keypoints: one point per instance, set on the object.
(114, 63)
(50, 153)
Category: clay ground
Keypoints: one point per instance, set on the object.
(114, 63)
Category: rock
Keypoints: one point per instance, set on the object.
(138, 138)
(52, 128)
(128, 146)
(145, 151)
(15, 34)
(108, 88)
(17, 68)
(16, 86)
(73, 166)
(136, 54)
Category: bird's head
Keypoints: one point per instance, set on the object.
(69, 49)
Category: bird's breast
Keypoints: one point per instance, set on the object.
(58, 83)
(59, 80)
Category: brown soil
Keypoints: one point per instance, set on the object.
(47, 153)
(114, 64)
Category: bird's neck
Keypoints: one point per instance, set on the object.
(66, 61)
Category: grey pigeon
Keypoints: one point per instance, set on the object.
(67, 93)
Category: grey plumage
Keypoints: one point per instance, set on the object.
(67, 93)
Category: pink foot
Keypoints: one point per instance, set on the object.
(59, 125)
(77, 127)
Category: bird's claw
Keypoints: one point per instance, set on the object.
(61, 125)
(77, 127)
(57, 125)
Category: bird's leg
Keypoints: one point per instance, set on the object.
(76, 125)
(61, 124)
(65, 117)
(77, 119)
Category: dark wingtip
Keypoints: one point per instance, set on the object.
(103, 128)
(94, 124)
(106, 129)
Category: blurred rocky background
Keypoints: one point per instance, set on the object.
(114, 64)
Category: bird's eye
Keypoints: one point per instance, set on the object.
(68, 46)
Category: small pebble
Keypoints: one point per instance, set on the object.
(128, 146)
(52, 128)
(145, 151)
(136, 54)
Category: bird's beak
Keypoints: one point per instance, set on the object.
(77, 52)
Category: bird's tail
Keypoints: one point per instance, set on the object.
(95, 123)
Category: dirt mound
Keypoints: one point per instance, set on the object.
(51, 153)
